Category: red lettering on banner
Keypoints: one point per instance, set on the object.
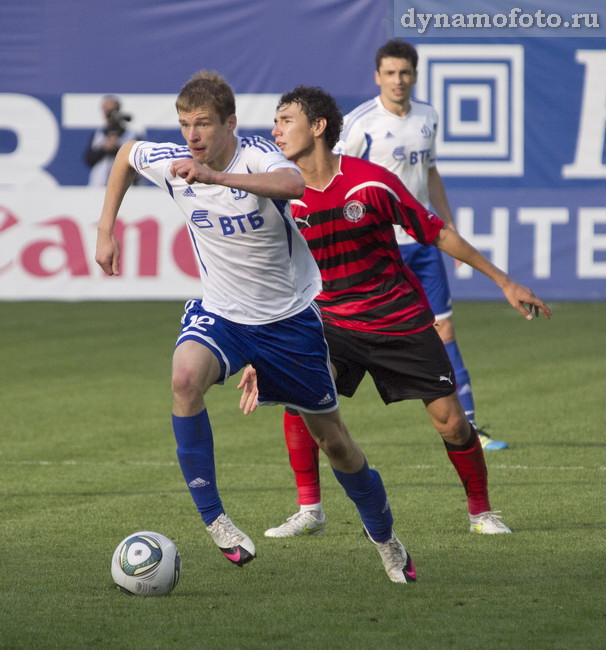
(70, 244)
(149, 235)
(183, 253)
(55, 246)
(7, 220)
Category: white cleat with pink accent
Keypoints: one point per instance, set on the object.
(232, 542)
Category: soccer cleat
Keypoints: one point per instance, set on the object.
(488, 444)
(396, 560)
(488, 523)
(232, 542)
(308, 522)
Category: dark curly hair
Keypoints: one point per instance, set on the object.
(397, 49)
(316, 103)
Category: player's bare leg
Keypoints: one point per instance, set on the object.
(465, 453)
(195, 369)
(333, 437)
(365, 488)
(446, 330)
(448, 417)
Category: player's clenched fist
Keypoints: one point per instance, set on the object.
(192, 172)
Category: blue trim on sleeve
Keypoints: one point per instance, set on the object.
(366, 153)
(260, 143)
(162, 153)
(355, 115)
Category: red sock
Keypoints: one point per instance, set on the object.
(471, 468)
(303, 457)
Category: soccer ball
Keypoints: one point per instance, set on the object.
(146, 564)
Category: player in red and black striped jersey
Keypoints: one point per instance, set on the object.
(376, 316)
(348, 226)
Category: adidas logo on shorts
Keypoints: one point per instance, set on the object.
(327, 399)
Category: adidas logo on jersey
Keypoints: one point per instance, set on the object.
(189, 192)
(198, 483)
(327, 399)
(389, 134)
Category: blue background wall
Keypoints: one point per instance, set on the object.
(54, 48)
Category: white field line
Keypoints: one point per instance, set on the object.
(144, 463)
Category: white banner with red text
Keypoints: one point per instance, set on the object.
(552, 240)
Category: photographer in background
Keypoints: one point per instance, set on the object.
(106, 141)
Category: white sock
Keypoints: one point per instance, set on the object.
(312, 507)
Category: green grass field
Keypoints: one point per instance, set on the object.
(87, 457)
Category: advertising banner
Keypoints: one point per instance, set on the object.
(520, 93)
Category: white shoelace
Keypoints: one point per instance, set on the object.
(492, 515)
(230, 535)
(392, 552)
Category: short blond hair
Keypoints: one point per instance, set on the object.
(207, 88)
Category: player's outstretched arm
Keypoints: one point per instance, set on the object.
(282, 183)
(120, 179)
(519, 297)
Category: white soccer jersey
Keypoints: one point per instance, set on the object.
(254, 263)
(405, 145)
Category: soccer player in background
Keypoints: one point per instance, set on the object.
(258, 283)
(399, 132)
(376, 316)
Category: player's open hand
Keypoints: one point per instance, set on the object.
(192, 172)
(523, 300)
(248, 385)
(108, 253)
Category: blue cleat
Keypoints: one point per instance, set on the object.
(488, 444)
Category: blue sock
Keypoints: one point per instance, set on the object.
(365, 489)
(463, 381)
(197, 459)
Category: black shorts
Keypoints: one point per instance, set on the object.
(412, 366)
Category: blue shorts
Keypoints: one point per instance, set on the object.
(427, 264)
(290, 355)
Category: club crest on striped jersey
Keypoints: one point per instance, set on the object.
(354, 211)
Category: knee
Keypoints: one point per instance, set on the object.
(185, 384)
(334, 441)
(333, 438)
(335, 447)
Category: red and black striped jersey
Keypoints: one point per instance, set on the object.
(348, 226)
